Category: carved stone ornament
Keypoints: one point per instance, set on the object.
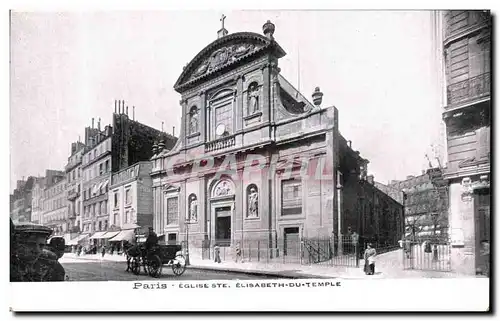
(253, 203)
(467, 189)
(223, 189)
(223, 56)
(193, 209)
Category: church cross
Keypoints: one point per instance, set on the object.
(222, 19)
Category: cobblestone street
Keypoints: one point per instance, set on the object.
(89, 270)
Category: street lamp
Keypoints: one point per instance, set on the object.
(186, 222)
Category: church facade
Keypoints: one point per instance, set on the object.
(255, 160)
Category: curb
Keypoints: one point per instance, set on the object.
(286, 275)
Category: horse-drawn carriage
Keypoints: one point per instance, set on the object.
(152, 261)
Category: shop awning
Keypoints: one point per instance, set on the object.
(130, 226)
(127, 235)
(78, 239)
(97, 235)
(109, 235)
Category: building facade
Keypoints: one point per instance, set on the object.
(116, 147)
(238, 110)
(131, 196)
(37, 200)
(55, 205)
(74, 180)
(467, 56)
(21, 200)
(96, 171)
(425, 201)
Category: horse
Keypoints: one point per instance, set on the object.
(131, 251)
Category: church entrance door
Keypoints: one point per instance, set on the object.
(223, 225)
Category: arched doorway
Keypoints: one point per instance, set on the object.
(222, 196)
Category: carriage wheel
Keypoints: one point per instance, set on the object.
(136, 266)
(154, 266)
(179, 265)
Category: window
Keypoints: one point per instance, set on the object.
(100, 225)
(115, 219)
(99, 207)
(105, 207)
(291, 197)
(128, 197)
(116, 199)
(100, 169)
(95, 153)
(172, 210)
(106, 224)
(224, 115)
(107, 166)
(127, 216)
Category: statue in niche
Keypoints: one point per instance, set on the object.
(193, 209)
(253, 202)
(223, 189)
(253, 99)
(193, 121)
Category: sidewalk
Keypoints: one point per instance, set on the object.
(388, 265)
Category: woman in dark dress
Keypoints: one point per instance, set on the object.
(369, 257)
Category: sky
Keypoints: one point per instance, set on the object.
(376, 67)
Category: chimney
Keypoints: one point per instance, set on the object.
(349, 143)
(173, 131)
(161, 146)
(133, 112)
(119, 107)
(115, 105)
(161, 126)
(99, 124)
(92, 122)
(123, 106)
(126, 111)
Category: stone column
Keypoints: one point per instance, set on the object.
(239, 103)
(203, 118)
(266, 93)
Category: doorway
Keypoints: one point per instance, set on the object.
(291, 241)
(223, 226)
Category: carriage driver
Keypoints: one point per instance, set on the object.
(151, 241)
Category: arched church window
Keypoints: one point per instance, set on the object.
(252, 201)
(193, 120)
(253, 98)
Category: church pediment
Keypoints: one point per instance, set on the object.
(223, 53)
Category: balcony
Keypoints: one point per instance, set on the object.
(72, 195)
(468, 90)
(220, 143)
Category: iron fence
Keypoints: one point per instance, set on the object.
(306, 251)
(431, 254)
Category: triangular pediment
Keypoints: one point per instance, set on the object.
(225, 53)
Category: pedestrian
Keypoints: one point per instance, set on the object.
(485, 258)
(217, 254)
(103, 250)
(369, 257)
(238, 252)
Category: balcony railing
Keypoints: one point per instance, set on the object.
(469, 89)
(72, 195)
(220, 143)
